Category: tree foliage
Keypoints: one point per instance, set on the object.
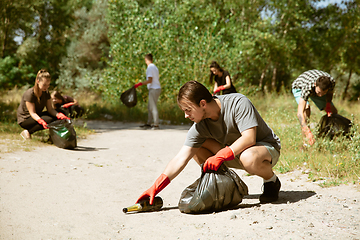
(88, 48)
(264, 44)
(34, 35)
(184, 36)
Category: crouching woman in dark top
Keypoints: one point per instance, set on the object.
(30, 114)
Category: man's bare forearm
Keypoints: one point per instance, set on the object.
(301, 120)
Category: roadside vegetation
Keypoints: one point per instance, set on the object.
(96, 48)
(330, 162)
(10, 139)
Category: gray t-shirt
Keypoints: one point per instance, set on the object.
(237, 115)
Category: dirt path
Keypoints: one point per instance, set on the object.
(52, 193)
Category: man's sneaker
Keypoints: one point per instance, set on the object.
(155, 127)
(271, 191)
(146, 126)
(25, 135)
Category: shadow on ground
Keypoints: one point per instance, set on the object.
(106, 126)
(284, 198)
(287, 196)
(88, 149)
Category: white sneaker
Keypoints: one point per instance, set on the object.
(155, 127)
(25, 135)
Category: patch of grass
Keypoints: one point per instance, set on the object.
(169, 113)
(331, 161)
(331, 183)
(11, 141)
(10, 138)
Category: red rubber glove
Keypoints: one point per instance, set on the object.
(218, 89)
(159, 185)
(61, 116)
(328, 109)
(43, 123)
(308, 135)
(138, 85)
(214, 162)
(66, 105)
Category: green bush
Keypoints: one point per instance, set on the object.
(14, 73)
(183, 41)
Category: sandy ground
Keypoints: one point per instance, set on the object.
(52, 193)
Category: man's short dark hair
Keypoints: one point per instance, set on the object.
(194, 92)
(149, 56)
(323, 83)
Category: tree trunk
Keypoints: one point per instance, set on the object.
(347, 85)
(262, 78)
(261, 81)
(3, 47)
(273, 80)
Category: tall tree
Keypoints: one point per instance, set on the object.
(44, 32)
(184, 37)
(350, 57)
(16, 17)
(88, 48)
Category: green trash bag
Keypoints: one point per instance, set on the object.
(63, 134)
(214, 191)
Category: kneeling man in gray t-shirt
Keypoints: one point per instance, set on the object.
(227, 129)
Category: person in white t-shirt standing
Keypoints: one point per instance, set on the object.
(154, 87)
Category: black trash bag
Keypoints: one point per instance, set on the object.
(129, 97)
(63, 134)
(213, 191)
(335, 125)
